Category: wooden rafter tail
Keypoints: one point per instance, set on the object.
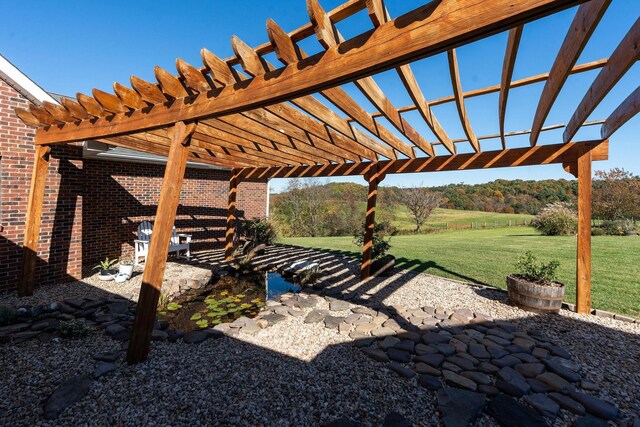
(75, 109)
(621, 60)
(457, 91)
(149, 92)
(328, 36)
(513, 42)
(90, 105)
(622, 114)
(584, 23)
(129, 97)
(109, 102)
(27, 117)
(192, 76)
(43, 115)
(58, 112)
(288, 53)
(220, 72)
(169, 83)
(379, 15)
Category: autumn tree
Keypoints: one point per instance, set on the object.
(421, 202)
(616, 195)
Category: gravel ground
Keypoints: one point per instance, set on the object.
(291, 373)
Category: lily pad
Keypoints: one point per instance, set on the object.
(203, 323)
(173, 306)
(196, 316)
(241, 295)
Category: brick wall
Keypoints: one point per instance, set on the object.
(92, 207)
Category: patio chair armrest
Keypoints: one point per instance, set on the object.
(185, 236)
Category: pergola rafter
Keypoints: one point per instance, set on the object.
(263, 121)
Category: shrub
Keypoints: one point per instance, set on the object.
(7, 314)
(556, 219)
(598, 231)
(259, 231)
(74, 329)
(528, 268)
(382, 233)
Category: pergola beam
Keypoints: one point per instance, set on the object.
(457, 92)
(513, 41)
(425, 31)
(623, 113)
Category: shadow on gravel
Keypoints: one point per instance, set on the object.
(424, 366)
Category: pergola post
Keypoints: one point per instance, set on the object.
(180, 136)
(33, 219)
(583, 258)
(231, 215)
(374, 178)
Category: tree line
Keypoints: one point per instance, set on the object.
(311, 207)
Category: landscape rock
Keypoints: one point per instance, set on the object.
(401, 370)
(395, 419)
(508, 412)
(459, 408)
(544, 405)
(315, 316)
(429, 382)
(103, 368)
(66, 395)
(376, 354)
(459, 381)
(195, 337)
(595, 406)
(567, 403)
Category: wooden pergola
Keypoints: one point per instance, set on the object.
(262, 120)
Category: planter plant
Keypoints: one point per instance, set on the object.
(534, 287)
(125, 266)
(106, 270)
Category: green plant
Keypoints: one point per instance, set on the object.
(541, 273)
(382, 233)
(74, 329)
(618, 227)
(7, 314)
(598, 231)
(556, 219)
(259, 231)
(106, 264)
(126, 260)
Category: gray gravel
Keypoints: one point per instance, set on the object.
(292, 373)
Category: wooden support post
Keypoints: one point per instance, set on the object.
(374, 177)
(231, 215)
(156, 261)
(33, 220)
(581, 169)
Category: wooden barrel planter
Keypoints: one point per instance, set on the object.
(533, 297)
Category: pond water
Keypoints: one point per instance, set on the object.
(223, 302)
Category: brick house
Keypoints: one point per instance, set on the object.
(96, 195)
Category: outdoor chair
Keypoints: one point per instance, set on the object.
(179, 242)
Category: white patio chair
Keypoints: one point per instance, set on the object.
(179, 242)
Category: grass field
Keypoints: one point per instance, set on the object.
(487, 256)
(439, 218)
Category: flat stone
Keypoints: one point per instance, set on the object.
(479, 351)
(47, 325)
(559, 351)
(460, 346)
(434, 360)
(421, 349)
(352, 318)
(498, 332)
(430, 322)
(108, 356)
(540, 353)
(526, 357)
(309, 302)
(595, 406)
(215, 333)
(507, 326)
(524, 342)
(506, 361)
(316, 316)
(382, 332)
(114, 329)
(591, 421)
(429, 382)
(405, 345)
(65, 395)
(464, 364)
(103, 368)
(423, 368)
(538, 386)
(395, 419)
(366, 328)
(195, 337)
(511, 382)
(541, 403)
(566, 373)
(333, 322)
(498, 340)
(497, 352)
(401, 370)
(435, 338)
(274, 318)
(339, 305)
(375, 353)
(589, 386)
(451, 367)
(555, 382)
(409, 335)
(399, 355)
(508, 412)
(529, 370)
(459, 408)
(118, 307)
(445, 349)
(355, 335)
(567, 403)
(488, 368)
(459, 381)
(477, 377)
(489, 390)
(158, 335)
(342, 422)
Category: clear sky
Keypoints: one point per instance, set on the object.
(73, 46)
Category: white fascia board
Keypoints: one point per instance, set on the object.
(23, 84)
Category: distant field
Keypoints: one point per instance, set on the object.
(440, 218)
(487, 256)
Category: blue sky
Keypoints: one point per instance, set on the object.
(73, 46)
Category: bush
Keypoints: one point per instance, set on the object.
(7, 314)
(74, 329)
(259, 231)
(618, 227)
(598, 231)
(528, 268)
(556, 219)
(382, 233)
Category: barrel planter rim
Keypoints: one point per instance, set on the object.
(535, 297)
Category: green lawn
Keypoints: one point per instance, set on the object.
(439, 218)
(487, 256)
